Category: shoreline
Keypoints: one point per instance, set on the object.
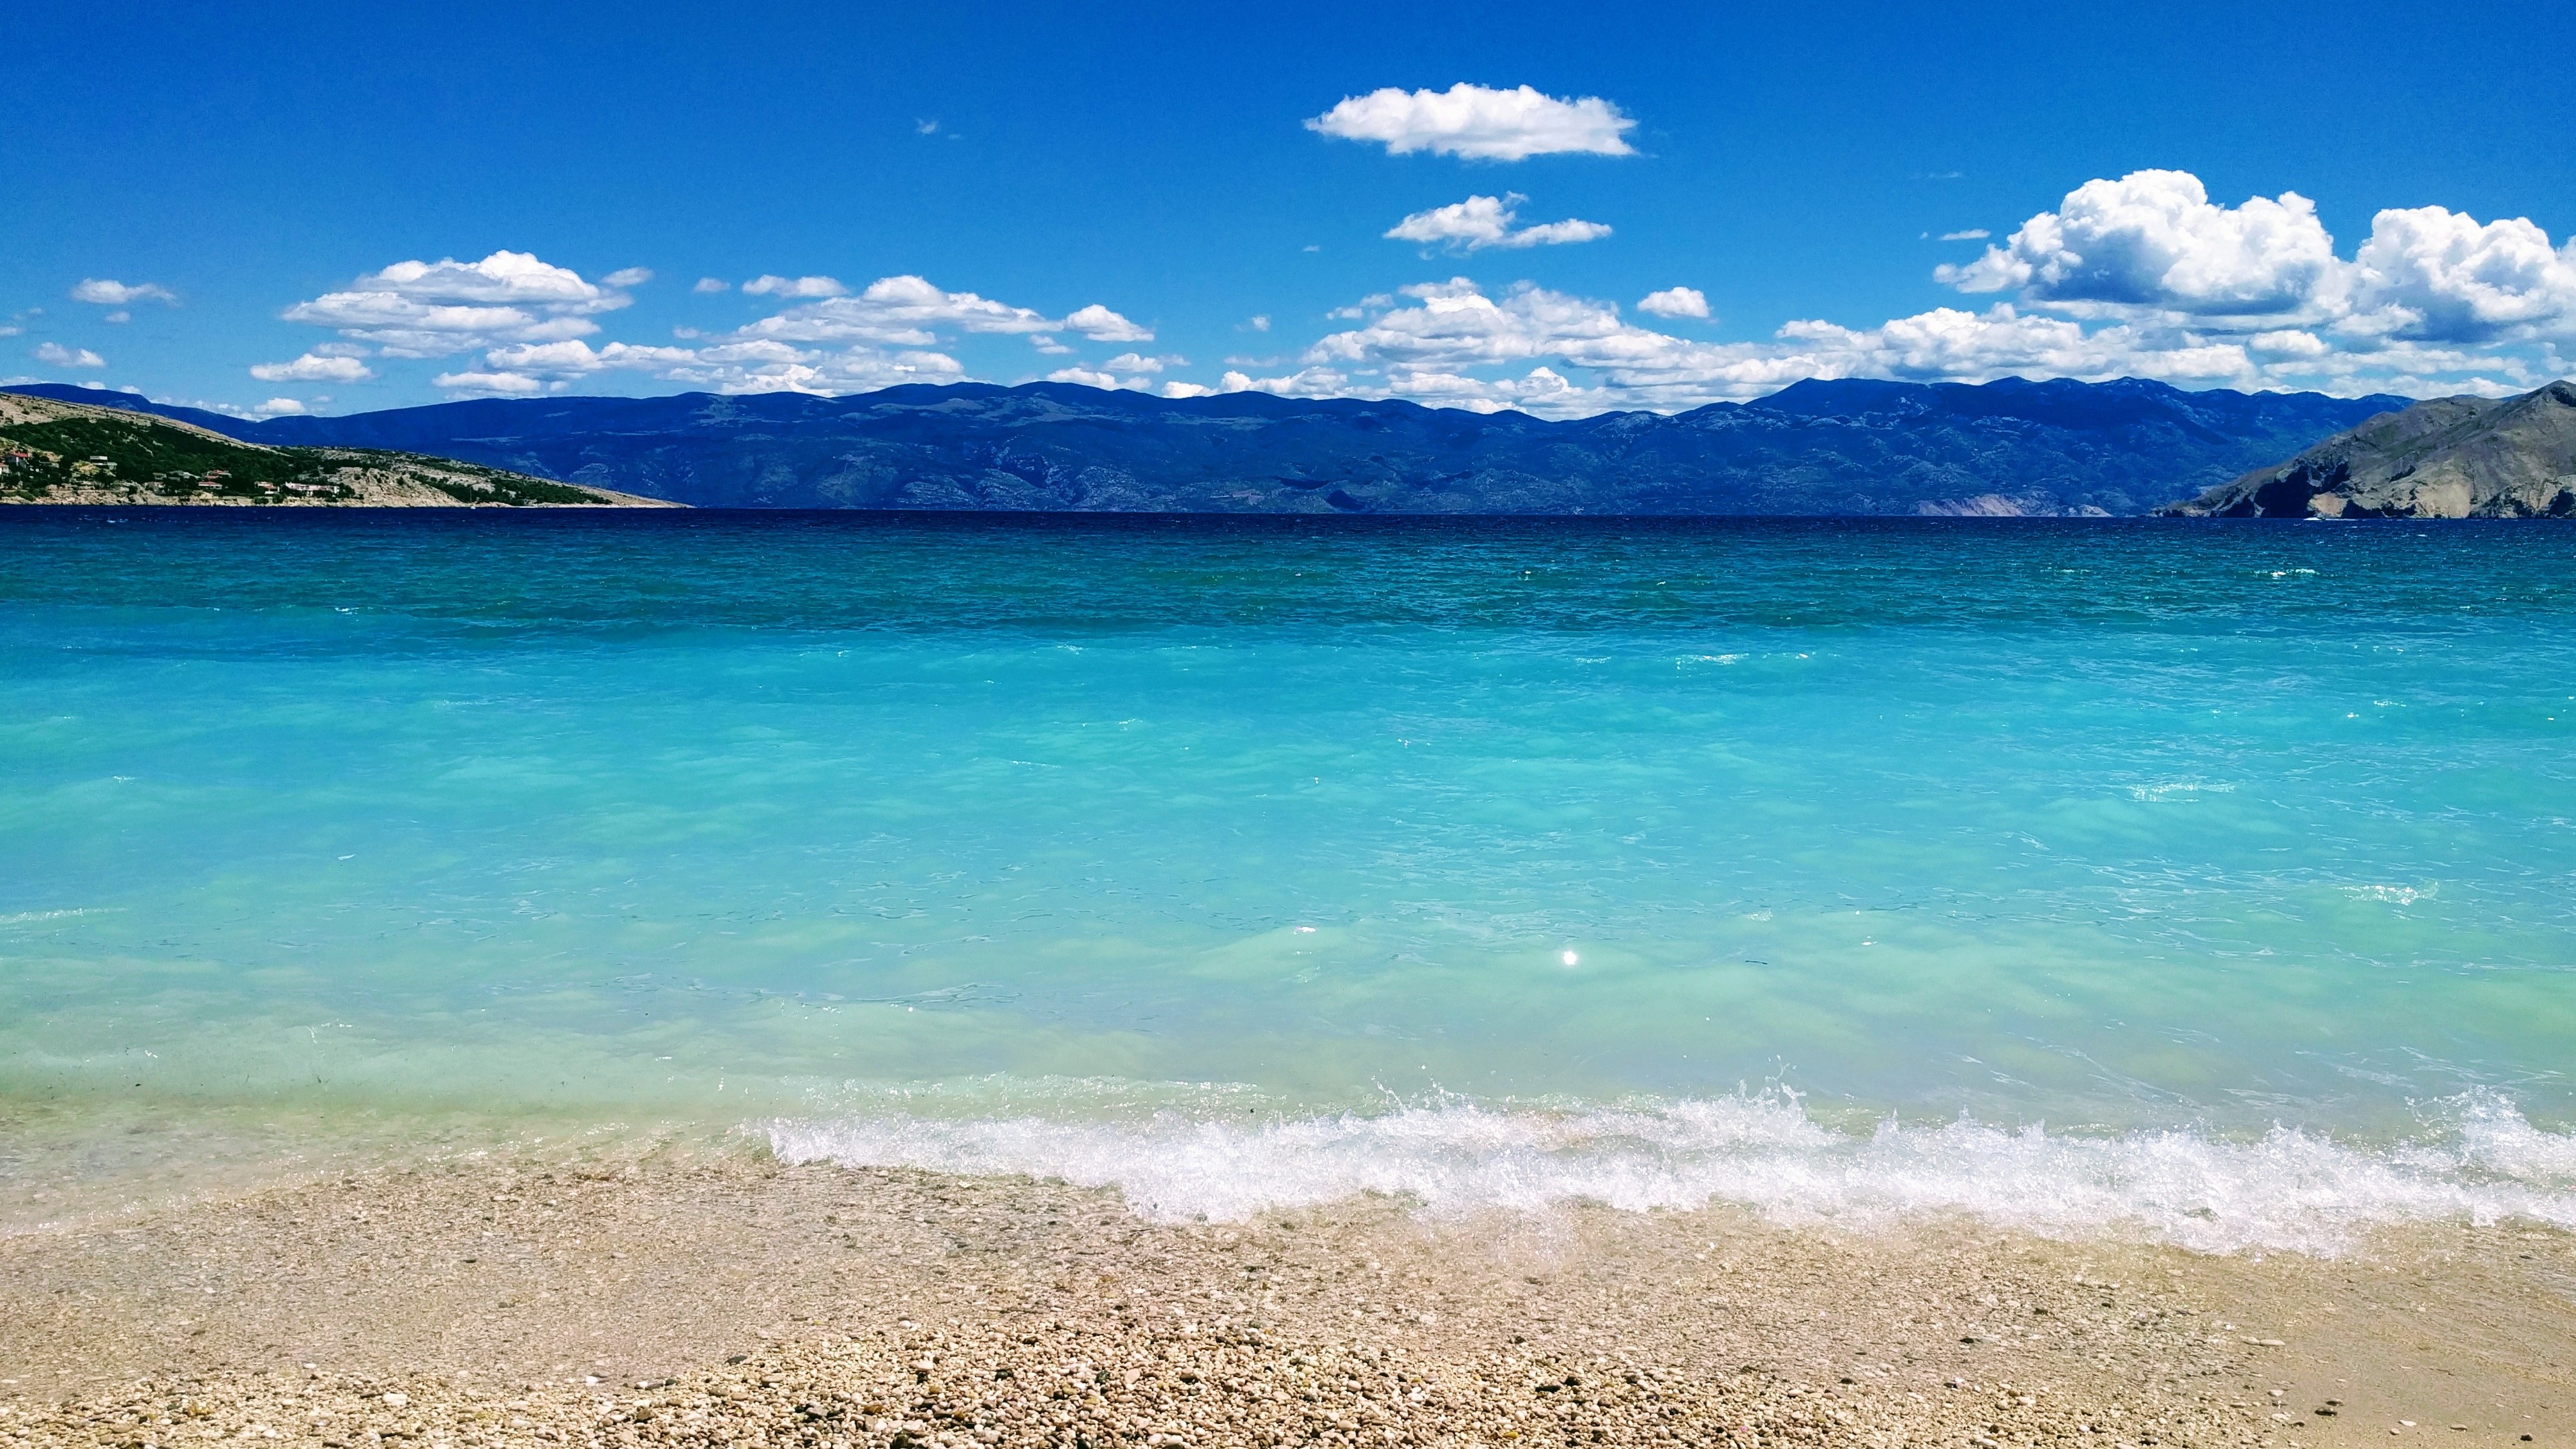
(553, 1281)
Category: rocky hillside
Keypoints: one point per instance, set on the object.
(1847, 447)
(2454, 457)
(65, 452)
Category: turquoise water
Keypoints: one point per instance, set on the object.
(2215, 878)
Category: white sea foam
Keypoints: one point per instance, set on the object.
(2171, 789)
(2478, 1160)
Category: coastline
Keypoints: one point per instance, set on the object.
(518, 1296)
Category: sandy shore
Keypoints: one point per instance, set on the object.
(727, 1299)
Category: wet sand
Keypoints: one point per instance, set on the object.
(668, 1297)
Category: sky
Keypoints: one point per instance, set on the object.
(271, 209)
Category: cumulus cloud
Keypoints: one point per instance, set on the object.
(1091, 377)
(712, 284)
(1479, 122)
(1452, 344)
(1487, 221)
(435, 309)
(490, 384)
(108, 293)
(2288, 342)
(2154, 238)
(1455, 344)
(312, 367)
(280, 407)
(2142, 276)
(2434, 274)
(1974, 233)
(61, 356)
(1102, 325)
(2150, 251)
(768, 286)
(829, 341)
(907, 311)
(1675, 302)
(576, 358)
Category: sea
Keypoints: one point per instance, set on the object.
(2212, 883)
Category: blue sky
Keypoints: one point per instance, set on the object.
(249, 206)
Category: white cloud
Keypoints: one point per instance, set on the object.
(490, 384)
(711, 284)
(905, 311)
(2151, 252)
(2288, 342)
(739, 365)
(1102, 325)
(504, 278)
(576, 358)
(61, 356)
(117, 294)
(2154, 239)
(768, 286)
(433, 309)
(279, 407)
(1257, 323)
(745, 368)
(312, 367)
(628, 277)
(2434, 274)
(119, 315)
(1048, 345)
(1486, 221)
(1974, 233)
(1186, 389)
(1088, 377)
(1676, 302)
(1479, 122)
(883, 336)
(1453, 345)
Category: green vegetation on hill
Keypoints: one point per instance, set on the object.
(80, 451)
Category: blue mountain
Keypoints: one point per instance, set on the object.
(1841, 447)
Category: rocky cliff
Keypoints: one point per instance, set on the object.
(2453, 457)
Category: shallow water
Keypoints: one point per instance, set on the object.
(2226, 869)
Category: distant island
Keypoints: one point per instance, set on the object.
(2453, 457)
(1848, 447)
(60, 452)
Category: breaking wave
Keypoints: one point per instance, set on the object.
(2477, 1159)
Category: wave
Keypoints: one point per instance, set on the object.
(2477, 1160)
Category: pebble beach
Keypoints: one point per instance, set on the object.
(723, 1298)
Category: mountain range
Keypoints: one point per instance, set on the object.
(2453, 457)
(2011, 447)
